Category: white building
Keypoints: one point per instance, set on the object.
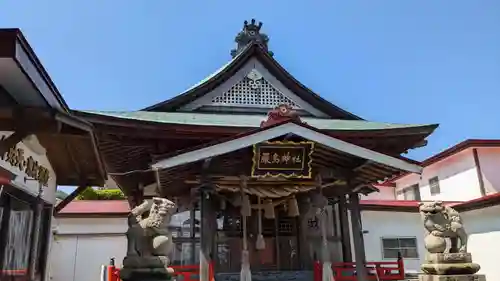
(89, 233)
(466, 171)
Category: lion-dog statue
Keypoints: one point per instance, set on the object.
(441, 222)
(148, 233)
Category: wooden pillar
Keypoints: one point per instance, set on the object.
(48, 241)
(276, 239)
(208, 224)
(357, 237)
(298, 235)
(306, 261)
(4, 227)
(205, 243)
(207, 215)
(35, 238)
(344, 229)
(192, 234)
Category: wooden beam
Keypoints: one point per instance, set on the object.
(15, 112)
(24, 122)
(69, 198)
(479, 173)
(236, 183)
(11, 141)
(336, 173)
(73, 122)
(274, 132)
(34, 119)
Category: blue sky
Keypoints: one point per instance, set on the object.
(412, 61)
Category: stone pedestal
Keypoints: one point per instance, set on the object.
(450, 267)
(146, 269)
(473, 277)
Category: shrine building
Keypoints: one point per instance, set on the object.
(42, 145)
(246, 153)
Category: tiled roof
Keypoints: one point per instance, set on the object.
(226, 71)
(96, 207)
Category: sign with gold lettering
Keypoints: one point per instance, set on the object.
(286, 159)
(16, 158)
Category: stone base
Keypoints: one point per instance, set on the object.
(473, 277)
(146, 274)
(450, 264)
(146, 262)
(449, 258)
(137, 268)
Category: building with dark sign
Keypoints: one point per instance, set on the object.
(42, 145)
(253, 137)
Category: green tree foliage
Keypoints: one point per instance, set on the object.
(61, 194)
(101, 194)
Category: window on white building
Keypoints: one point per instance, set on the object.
(434, 185)
(407, 246)
(409, 193)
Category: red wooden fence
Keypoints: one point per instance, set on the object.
(346, 271)
(342, 271)
(188, 272)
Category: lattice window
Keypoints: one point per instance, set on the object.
(253, 90)
(434, 185)
(406, 246)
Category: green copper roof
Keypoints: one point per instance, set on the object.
(206, 79)
(234, 120)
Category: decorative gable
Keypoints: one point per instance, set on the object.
(253, 91)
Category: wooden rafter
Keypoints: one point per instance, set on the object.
(69, 198)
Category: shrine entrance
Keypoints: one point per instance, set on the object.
(274, 200)
(266, 173)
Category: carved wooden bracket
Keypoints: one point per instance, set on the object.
(280, 114)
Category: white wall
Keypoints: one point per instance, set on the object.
(90, 242)
(483, 227)
(82, 245)
(386, 193)
(73, 226)
(489, 159)
(457, 175)
(380, 224)
(32, 186)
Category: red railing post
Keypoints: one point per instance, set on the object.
(112, 274)
(211, 271)
(317, 271)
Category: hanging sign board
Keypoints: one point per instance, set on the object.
(282, 159)
(16, 158)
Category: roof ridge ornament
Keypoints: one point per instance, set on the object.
(281, 114)
(250, 34)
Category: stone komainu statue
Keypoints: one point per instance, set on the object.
(148, 233)
(441, 222)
